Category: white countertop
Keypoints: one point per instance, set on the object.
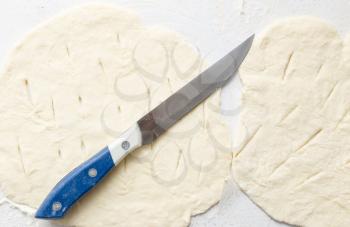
(215, 27)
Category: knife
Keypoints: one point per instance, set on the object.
(83, 178)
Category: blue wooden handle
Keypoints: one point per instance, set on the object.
(74, 185)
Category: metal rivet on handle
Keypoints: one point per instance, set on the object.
(125, 145)
(56, 206)
(92, 172)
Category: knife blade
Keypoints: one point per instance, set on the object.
(83, 178)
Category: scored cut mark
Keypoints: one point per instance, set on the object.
(285, 70)
(28, 91)
(149, 105)
(247, 141)
(178, 161)
(308, 179)
(312, 137)
(319, 70)
(59, 153)
(169, 85)
(53, 109)
(82, 145)
(289, 112)
(341, 205)
(125, 164)
(19, 150)
(118, 37)
(100, 63)
(329, 95)
(342, 118)
(67, 50)
(277, 167)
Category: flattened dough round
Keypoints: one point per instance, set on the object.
(78, 81)
(295, 160)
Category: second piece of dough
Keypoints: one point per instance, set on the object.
(295, 160)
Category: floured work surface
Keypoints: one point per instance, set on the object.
(73, 85)
(295, 161)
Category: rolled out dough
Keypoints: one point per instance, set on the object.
(73, 85)
(295, 159)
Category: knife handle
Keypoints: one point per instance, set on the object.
(83, 178)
